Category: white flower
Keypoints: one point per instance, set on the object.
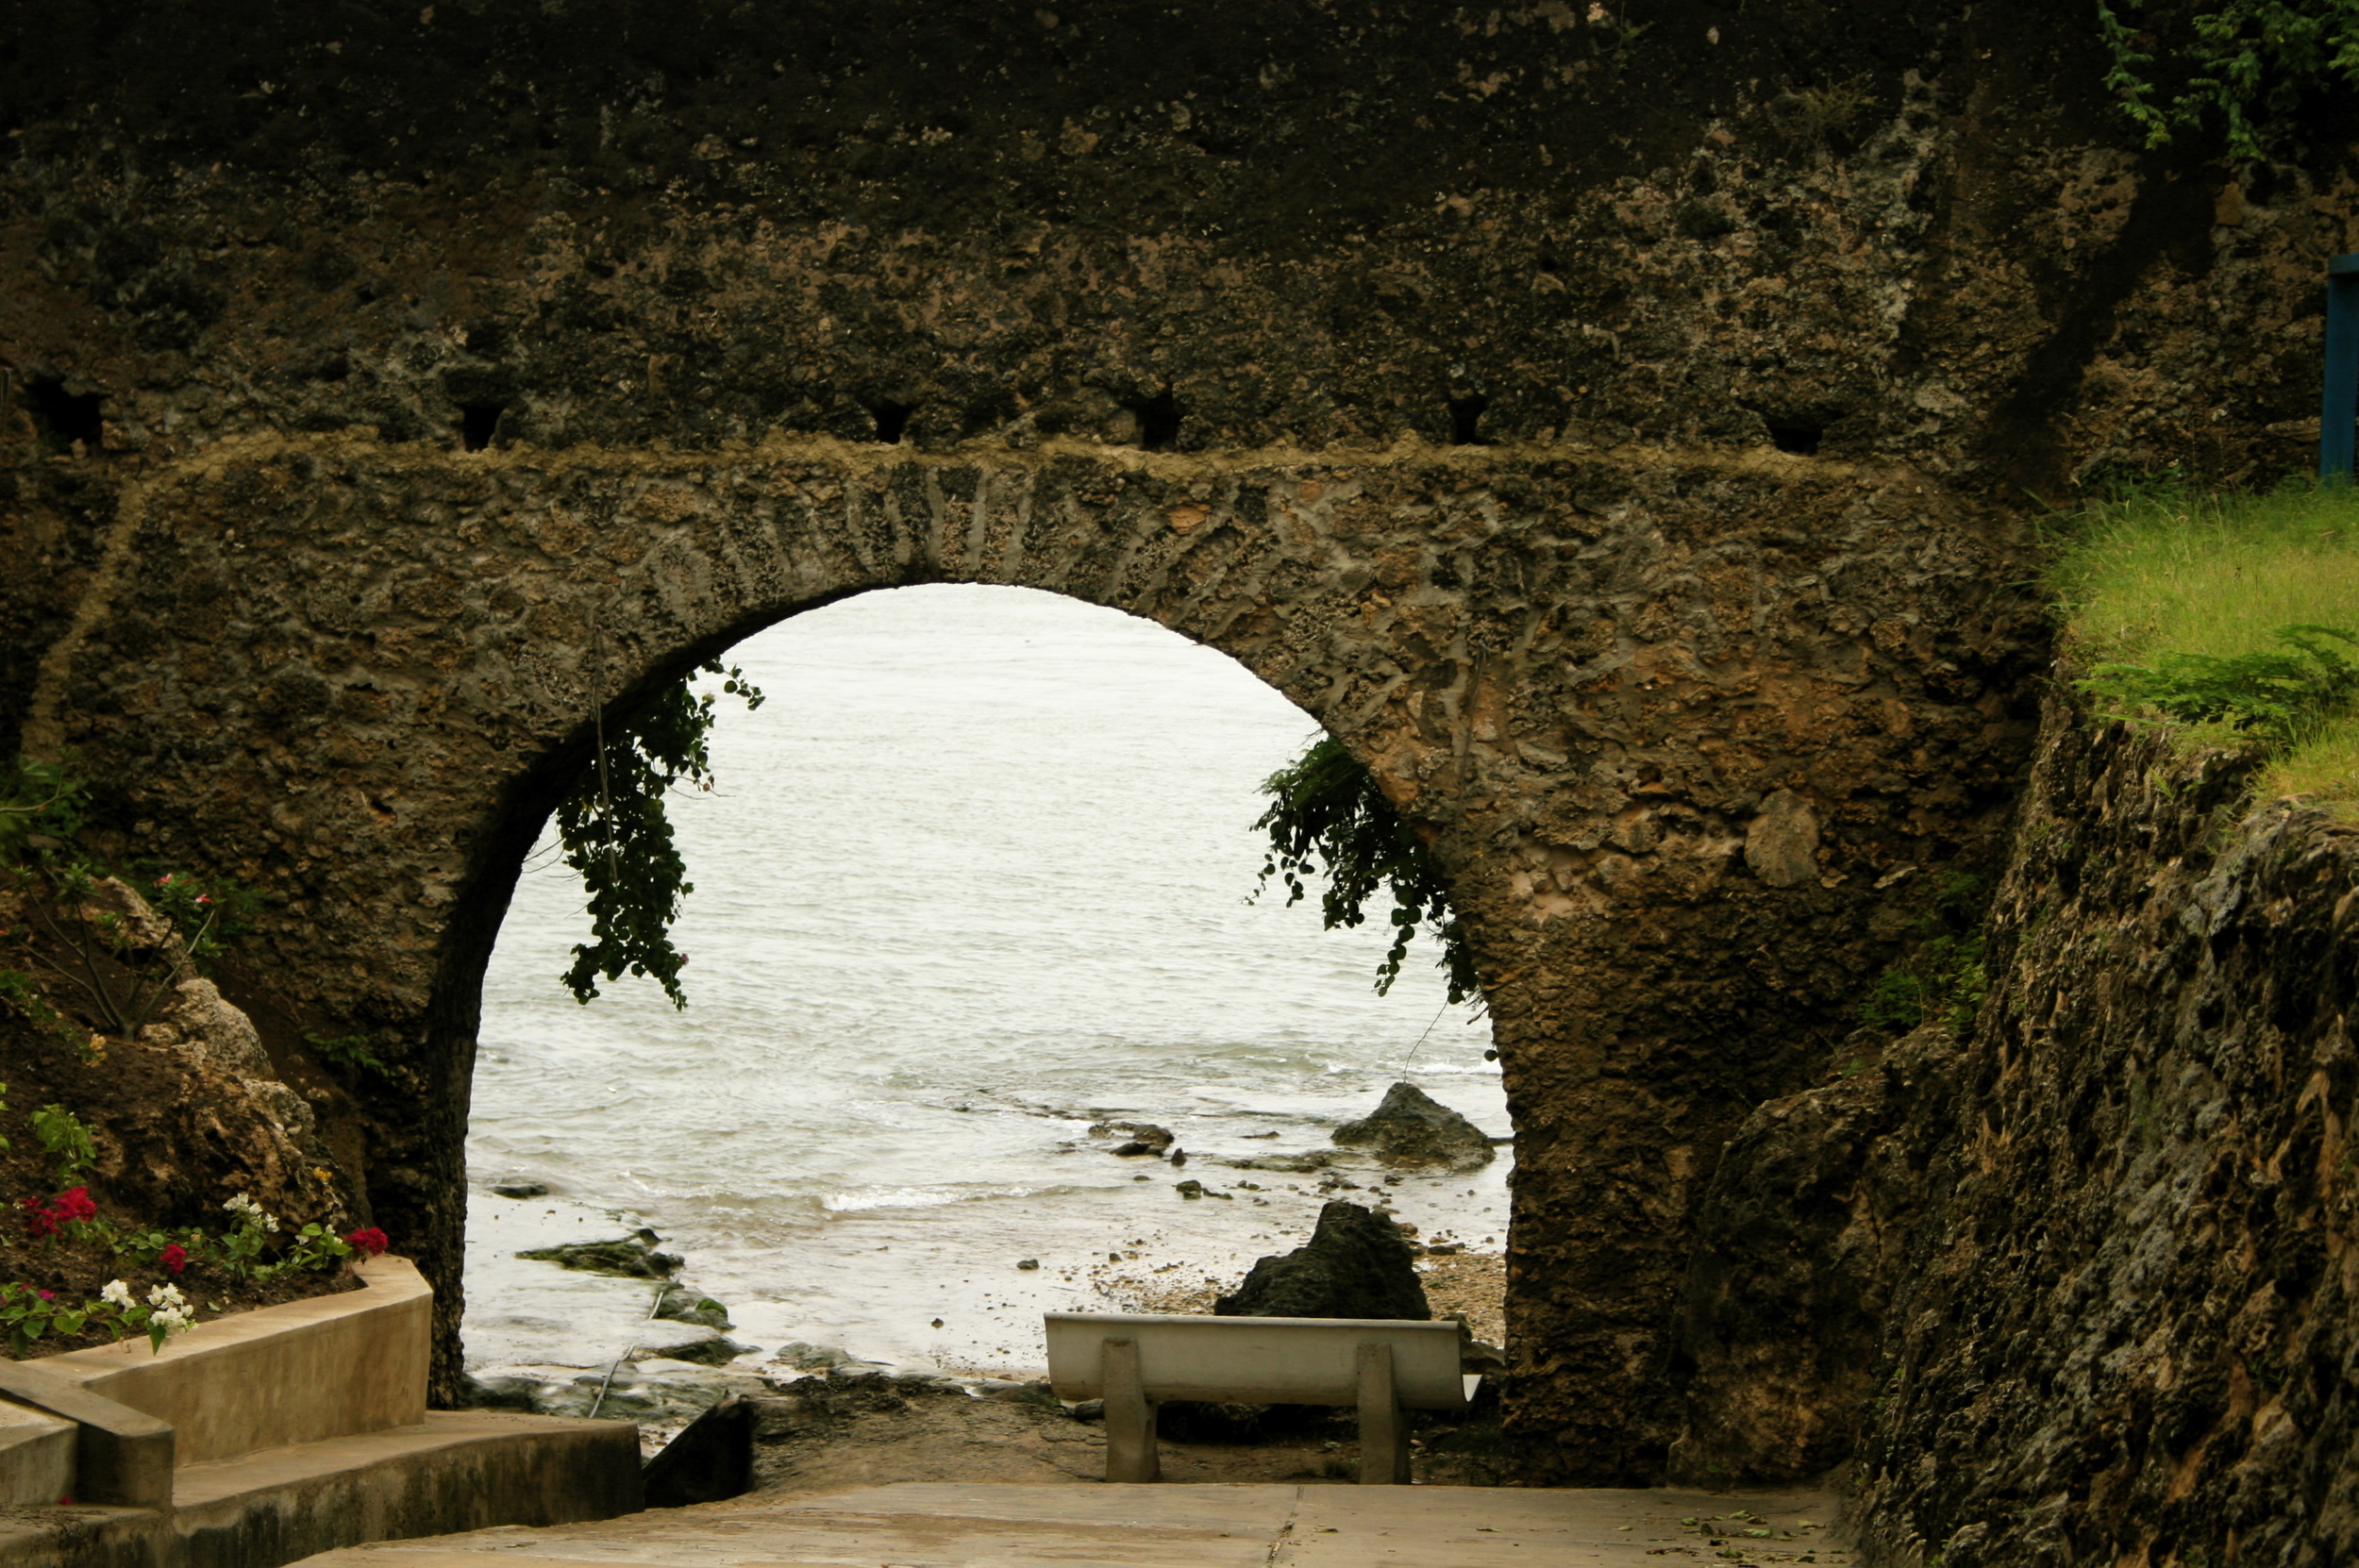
(173, 1319)
(250, 1213)
(166, 1298)
(116, 1294)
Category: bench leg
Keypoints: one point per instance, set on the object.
(1130, 1452)
(1383, 1426)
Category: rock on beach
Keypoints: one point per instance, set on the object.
(1355, 1265)
(1411, 1127)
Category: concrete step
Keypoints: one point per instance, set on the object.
(457, 1471)
(919, 1525)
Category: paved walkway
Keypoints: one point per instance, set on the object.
(928, 1524)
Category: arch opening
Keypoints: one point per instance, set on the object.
(971, 883)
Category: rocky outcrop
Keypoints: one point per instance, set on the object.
(1355, 1265)
(1411, 1128)
(2124, 1327)
(630, 1256)
(1136, 1137)
(2069, 1289)
(1801, 1240)
(203, 1024)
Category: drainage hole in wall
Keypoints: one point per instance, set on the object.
(477, 421)
(1159, 421)
(891, 419)
(1795, 435)
(1466, 421)
(64, 417)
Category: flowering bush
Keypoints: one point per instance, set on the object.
(27, 1315)
(45, 1218)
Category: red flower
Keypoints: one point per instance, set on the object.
(49, 1295)
(174, 1258)
(38, 1223)
(74, 1204)
(371, 1241)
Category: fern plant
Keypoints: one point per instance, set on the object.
(2280, 698)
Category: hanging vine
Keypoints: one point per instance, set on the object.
(2176, 64)
(617, 836)
(1327, 818)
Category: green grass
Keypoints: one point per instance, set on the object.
(2163, 570)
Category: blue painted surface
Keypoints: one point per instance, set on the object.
(2339, 411)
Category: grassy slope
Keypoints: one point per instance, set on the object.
(2169, 571)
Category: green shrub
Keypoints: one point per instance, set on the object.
(2181, 64)
(2281, 699)
(1327, 818)
(617, 835)
(1941, 979)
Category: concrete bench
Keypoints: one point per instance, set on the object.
(1135, 1361)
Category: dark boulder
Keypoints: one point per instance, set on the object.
(1356, 1265)
(1411, 1128)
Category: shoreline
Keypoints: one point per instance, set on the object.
(563, 1341)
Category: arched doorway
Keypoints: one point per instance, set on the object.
(970, 883)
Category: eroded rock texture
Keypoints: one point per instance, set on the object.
(2130, 1330)
(2079, 1288)
(1615, 433)
(1803, 1239)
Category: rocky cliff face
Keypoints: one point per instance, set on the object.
(2081, 1287)
(2130, 1328)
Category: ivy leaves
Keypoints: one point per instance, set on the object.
(1327, 818)
(617, 836)
(2238, 57)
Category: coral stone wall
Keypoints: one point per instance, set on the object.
(2126, 1327)
(1614, 429)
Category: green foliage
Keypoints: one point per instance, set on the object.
(67, 1140)
(348, 1051)
(119, 972)
(41, 806)
(2230, 612)
(21, 992)
(205, 911)
(1941, 979)
(2180, 63)
(617, 836)
(2281, 698)
(1327, 818)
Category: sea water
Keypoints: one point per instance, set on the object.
(973, 878)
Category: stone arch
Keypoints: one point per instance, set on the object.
(1673, 719)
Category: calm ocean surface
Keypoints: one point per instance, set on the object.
(974, 876)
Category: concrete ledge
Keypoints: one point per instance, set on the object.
(84, 1537)
(299, 1372)
(453, 1472)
